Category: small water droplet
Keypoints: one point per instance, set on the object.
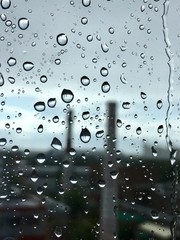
(67, 95)
(34, 176)
(123, 79)
(86, 3)
(39, 106)
(159, 104)
(143, 95)
(56, 144)
(104, 47)
(105, 87)
(73, 180)
(119, 123)
(154, 214)
(138, 130)
(55, 119)
(99, 133)
(1, 80)
(11, 61)
(61, 191)
(126, 105)
(40, 128)
(23, 23)
(160, 129)
(28, 66)
(51, 102)
(5, 4)
(111, 30)
(84, 20)
(101, 183)
(62, 39)
(72, 151)
(154, 152)
(114, 174)
(18, 130)
(85, 135)
(3, 142)
(66, 164)
(11, 80)
(58, 231)
(41, 158)
(104, 72)
(43, 79)
(85, 81)
(57, 61)
(142, 8)
(86, 115)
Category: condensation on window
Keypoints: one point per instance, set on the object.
(89, 119)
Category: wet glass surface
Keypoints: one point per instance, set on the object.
(89, 94)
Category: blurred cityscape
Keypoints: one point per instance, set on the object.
(77, 194)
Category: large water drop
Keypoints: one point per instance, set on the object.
(85, 135)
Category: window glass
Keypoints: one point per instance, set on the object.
(89, 119)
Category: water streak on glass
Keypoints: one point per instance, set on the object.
(172, 151)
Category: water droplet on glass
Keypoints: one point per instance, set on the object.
(85, 135)
(126, 105)
(72, 151)
(28, 66)
(154, 152)
(86, 3)
(67, 95)
(3, 142)
(66, 164)
(1, 80)
(119, 123)
(51, 102)
(57, 61)
(39, 106)
(104, 47)
(61, 191)
(3, 17)
(5, 4)
(159, 104)
(18, 130)
(40, 128)
(62, 39)
(85, 115)
(58, 231)
(154, 214)
(89, 38)
(99, 133)
(142, 8)
(160, 129)
(34, 176)
(11, 80)
(111, 30)
(138, 130)
(41, 158)
(73, 180)
(143, 95)
(123, 79)
(105, 87)
(84, 20)
(114, 174)
(43, 79)
(23, 23)
(55, 119)
(56, 144)
(101, 183)
(11, 61)
(104, 71)
(85, 81)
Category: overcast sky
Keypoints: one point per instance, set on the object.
(125, 37)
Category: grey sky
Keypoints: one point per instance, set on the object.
(136, 50)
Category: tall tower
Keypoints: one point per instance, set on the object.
(67, 172)
(107, 216)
